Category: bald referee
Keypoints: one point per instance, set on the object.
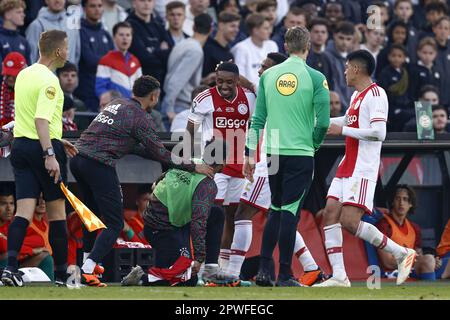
(38, 154)
(294, 105)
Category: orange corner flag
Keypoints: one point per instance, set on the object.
(89, 219)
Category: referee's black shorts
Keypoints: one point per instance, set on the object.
(290, 185)
(30, 175)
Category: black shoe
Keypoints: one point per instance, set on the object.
(263, 279)
(291, 282)
(11, 279)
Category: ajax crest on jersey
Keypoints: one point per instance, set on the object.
(287, 84)
(242, 108)
(357, 104)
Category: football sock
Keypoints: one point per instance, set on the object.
(214, 229)
(333, 245)
(241, 243)
(269, 238)
(88, 266)
(303, 254)
(16, 233)
(286, 242)
(46, 265)
(59, 243)
(430, 276)
(371, 234)
(224, 258)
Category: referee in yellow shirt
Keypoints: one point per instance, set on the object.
(38, 154)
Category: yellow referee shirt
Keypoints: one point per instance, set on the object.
(37, 95)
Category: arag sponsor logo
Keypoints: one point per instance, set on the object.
(287, 84)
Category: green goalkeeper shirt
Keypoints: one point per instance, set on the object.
(295, 101)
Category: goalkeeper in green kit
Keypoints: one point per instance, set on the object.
(293, 105)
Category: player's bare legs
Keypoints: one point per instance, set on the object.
(227, 235)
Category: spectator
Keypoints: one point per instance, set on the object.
(384, 12)
(36, 250)
(113, 13)
(430, 94)
(441, 29)
(184, 71)
(69, 114)
(95, 43)
(13, 63)
(250, 7)
(107, 97)
(427, 93)
(443, 252)
(403, 11)
(32, 10)
(217, 49)
(336, 51)
(181, 119)
(7, 208)
(68, 79)
(374, 41)
(295, 17)
(53, 17)
(311, 7)
(317, 59)
(434, 11)
(193, 9)
(12, 14)
(440, 119)
(425, 71)
(395, 79)
(230, 6)
(334, 13)
(397, 34)
(118, 69)
(175, 16)
(150, 40)
(397, 226)
(268, 8)
(134, 218)
(335, 105)
(249, 53)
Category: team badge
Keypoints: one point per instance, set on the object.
(325, 84)
(242, 108)
(425, 121)
(287, 84)
(357, 104)
(50, 92)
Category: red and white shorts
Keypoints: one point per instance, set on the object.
(354, 191)
(257, 193)
(229, 188)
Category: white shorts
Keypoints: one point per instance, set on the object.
(257, 193)
(353, 191)
(229, 188)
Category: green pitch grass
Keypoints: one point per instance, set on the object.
(389, 291)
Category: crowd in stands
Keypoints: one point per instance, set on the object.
(112, 42)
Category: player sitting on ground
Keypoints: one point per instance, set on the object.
(178, 212)
(352, 190)
(255, 197)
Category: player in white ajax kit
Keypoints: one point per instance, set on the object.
(223, 112)
(255, 197)
(352, 190)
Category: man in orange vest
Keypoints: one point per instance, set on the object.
(404, 232)
(134, 219)
(7, 208)
(36, 250)
(443, 252)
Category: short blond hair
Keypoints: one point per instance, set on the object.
(297, 39)
(7, 5)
